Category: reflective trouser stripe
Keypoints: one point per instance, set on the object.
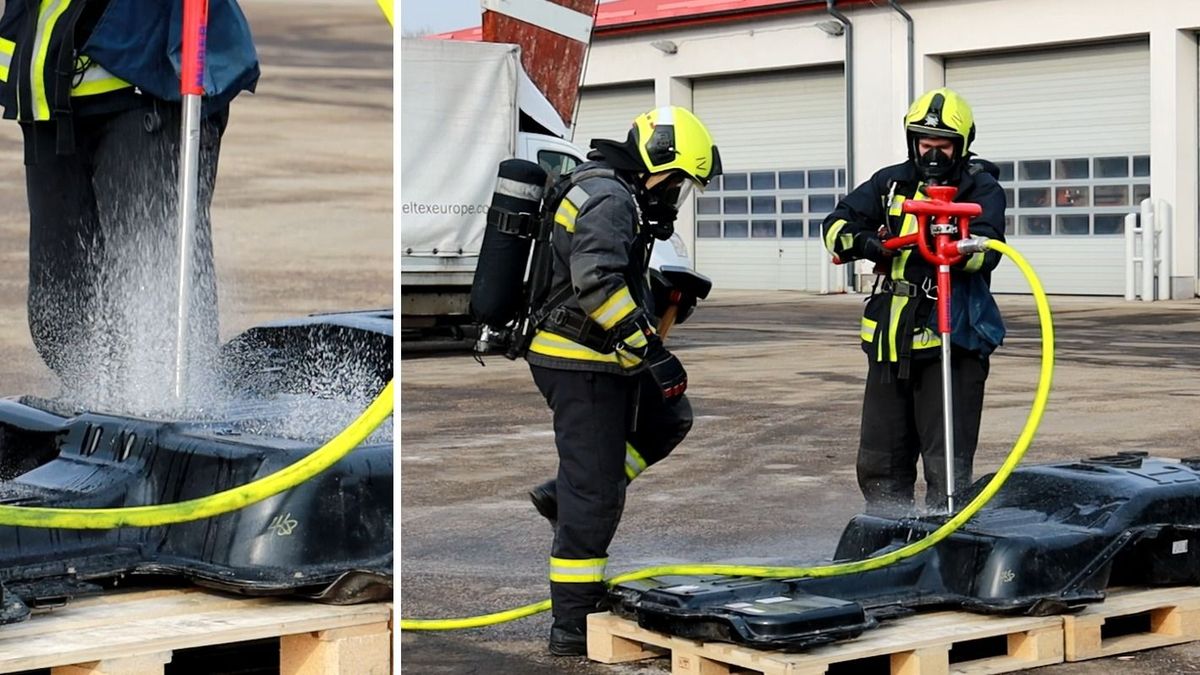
(565, 570)
(634, 464)
(97, 80)
(7, 47)
(618, 306)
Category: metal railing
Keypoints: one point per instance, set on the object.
(1152, 227)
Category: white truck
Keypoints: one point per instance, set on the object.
(465, 107)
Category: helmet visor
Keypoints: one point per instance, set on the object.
(676, 189)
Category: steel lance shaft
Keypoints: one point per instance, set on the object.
(947, 382)
(191, 89)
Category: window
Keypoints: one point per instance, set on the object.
(762, 229)
(762, 181)
(1073, 196)
(555, 163)
(788, 204)
(736, 229)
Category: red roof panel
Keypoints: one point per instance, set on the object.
(627, 16)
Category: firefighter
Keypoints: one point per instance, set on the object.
(902, 405)
(616, 393)
(95, 87)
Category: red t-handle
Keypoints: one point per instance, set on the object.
(941, 249)
(195, 31)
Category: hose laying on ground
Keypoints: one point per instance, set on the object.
(835, 569)
(215, 504)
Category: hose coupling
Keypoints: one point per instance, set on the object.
(972, 245)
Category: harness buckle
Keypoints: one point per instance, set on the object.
(901, 288)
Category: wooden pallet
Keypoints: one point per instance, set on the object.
(1167, 616)
(917, 645)
(135, 633)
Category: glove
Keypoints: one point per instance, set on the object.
(868, 245)
(639, 340)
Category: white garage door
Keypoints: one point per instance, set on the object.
(782, 142)
(1070, 129)
(608, 112)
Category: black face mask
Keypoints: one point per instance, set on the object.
(660, 206)
(935, 166)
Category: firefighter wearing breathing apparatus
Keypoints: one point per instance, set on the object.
(902, 405)
(616, 393)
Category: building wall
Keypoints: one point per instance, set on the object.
(943, 28)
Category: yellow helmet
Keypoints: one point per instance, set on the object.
(671, 137)
(943, 113)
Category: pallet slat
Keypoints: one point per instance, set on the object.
(1174, 618)
(918, 645)
(127, 632)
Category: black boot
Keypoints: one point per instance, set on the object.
(568, 637)
(545, 500)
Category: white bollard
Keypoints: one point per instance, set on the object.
(1131, 257)
(1162, 214)
(1147, 251)
(825, 268)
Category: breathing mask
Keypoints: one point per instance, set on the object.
(934, 166)
(661, 203)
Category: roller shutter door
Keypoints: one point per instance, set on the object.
(782, 140)
(608, 112)
(1071, 130)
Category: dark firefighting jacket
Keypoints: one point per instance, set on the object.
(900, 319)
(599, 274)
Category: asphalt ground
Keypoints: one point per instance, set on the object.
(767, 474)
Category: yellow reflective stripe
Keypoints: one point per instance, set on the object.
(897, 205)
(100, 87)
(565, 570)
(48, 15)
(898, 304)
(618, 306)
(634, 464)
(832, 234)
(565, 215)
(558, 346)
(926, 339)
(867, 331)
(97, 80)
(636, 339)
(7, 47)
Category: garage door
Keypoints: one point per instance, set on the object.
(608, 112)
(1070, 129)
(782, 141)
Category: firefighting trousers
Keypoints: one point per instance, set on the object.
(902, 420)
(104, 253)
(596, 417)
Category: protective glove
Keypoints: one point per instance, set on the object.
(868, 245)
(638, 339)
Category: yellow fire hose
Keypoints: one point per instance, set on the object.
(1014, 458)
(215, 504)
